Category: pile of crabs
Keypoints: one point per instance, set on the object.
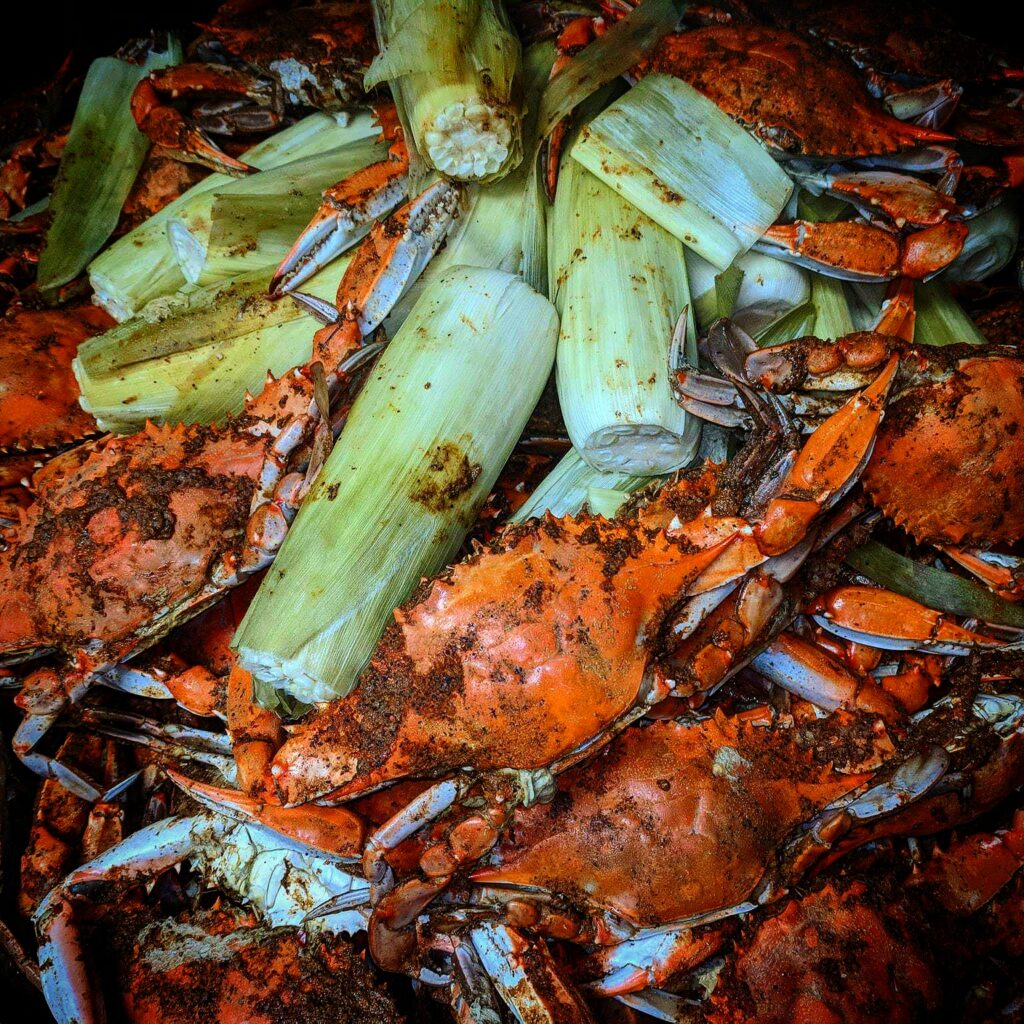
(681, 764)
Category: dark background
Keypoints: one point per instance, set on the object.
(35, 36)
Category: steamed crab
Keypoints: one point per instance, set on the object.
(250, 67)
(278, 877)
(956, 420)
(133, 534)
(817, 118)
(677, 827)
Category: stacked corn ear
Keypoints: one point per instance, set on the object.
(454, 69)
(619, 283)
(421, 449)
(193, 360)
(573, 483)
(672, 153)
(141, 266)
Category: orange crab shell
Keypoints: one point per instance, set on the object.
(248, 974)
(516, 656)
(38, 392)
(832, 957)
(790, 92)
(673, 821)
(132, 529)
(946, 463)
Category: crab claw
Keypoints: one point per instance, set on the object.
(392, 256)
(167, 127)
(893, 622)
(346, 214)
(856, 251)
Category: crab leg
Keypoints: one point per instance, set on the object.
(526, 977)
(856, 251)
(348, 210)
(1001, 573)
(807, 671)
(167, 127)
(893, 622)
(900, 198)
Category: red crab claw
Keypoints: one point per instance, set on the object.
(973, 869)
(167, 127)
(827, 466)
(893, 622)
(348, 210)
(807, 671)
(856, 251)
(327, 829)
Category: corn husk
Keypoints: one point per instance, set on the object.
(672, 153)
(941, 320)
(421, 449)
(194, 361)
(932, 587)
(250, 223)
(797, 323)
(101, 160)
(769, 289)
(619, 283)
(832, 318)
(573, 483)
(993, 239)
(141, 266)
(454, 68)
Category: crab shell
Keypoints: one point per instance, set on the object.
(834, 956)
(947, 460)
(318, 53)
(115, 548)
(674, 821)
(38, 392)
(790, 92)
(515, 657)
(222, 966)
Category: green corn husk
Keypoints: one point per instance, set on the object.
(935, 588)
(832, 317)
(141, 266)
(619, 283)
(941, 320)
(797, 323)
(250, 223)
(573, 483)
(195, 361)
(421, 449)
(769, 289)
(102, 157)
(454, 68)
(990, 245)
(671, 152)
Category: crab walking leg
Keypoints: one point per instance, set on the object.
(67, 984)
(1003, 574)
(348, 209)
(883, 619)
(526, 977)
(239, 473)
